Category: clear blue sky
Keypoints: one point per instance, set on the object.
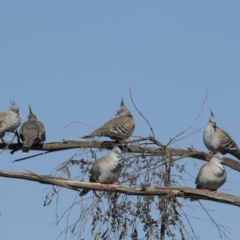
(73, 60)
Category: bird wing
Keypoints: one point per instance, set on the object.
(121, 126)
(95, 171)
(227, 143)
(30, 129)
(200, 173)
(2, 119)
(220, 171)
(42, 133)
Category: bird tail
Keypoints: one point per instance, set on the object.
(83, 192)
(92, 134)
(27, 145)
(194, 199)
(25, 149)
(236, 154)
(87, 136)
(2, 134)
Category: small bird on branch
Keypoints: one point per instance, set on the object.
(31, 132)
(218, 140)
(212, 175)
(105, 170)
(119, 128)
(10, 120)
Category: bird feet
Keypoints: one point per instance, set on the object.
(107, 185)
(214, 191)
(17, 135)
(217, 192)
(107, 144)
(205, 189)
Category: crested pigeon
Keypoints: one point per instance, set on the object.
(217, 140)
(105, 170)
(9, 120)
(119, 128)
(212, 175)
(31, 132)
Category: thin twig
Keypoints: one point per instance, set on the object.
(25, 158)
(151, 129)
(187, 129)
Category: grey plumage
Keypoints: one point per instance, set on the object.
(31, 132)
(106, 169)
(212, 175)
(119, 128)
(9, 119)
(218, 140)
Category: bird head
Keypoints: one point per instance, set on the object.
(219, 156)
(212, 120)
(116, 151)
(31, 116)
(14, 107)
(122, 110)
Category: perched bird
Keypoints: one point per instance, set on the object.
(106, 169)
(31, 132)
(212, 175)
(119, 128)
(9, 120)
(217, 140)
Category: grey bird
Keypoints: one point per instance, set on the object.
(10, 120)
(31, 132)
(217, 140)
(105, 170)
(119, 128)
(212, 175)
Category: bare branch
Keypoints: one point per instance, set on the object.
(174, 152)
(169, 192)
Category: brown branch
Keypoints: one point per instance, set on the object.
(174, 152)
(137, 191)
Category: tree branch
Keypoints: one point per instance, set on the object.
(137, 191)
(156, 151)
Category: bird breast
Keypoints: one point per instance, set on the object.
(110, 172)
(213, 176)
(12, 122)
(210, 139)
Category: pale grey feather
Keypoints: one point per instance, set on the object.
(212, 175)
(9, 119)
(106, 169)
